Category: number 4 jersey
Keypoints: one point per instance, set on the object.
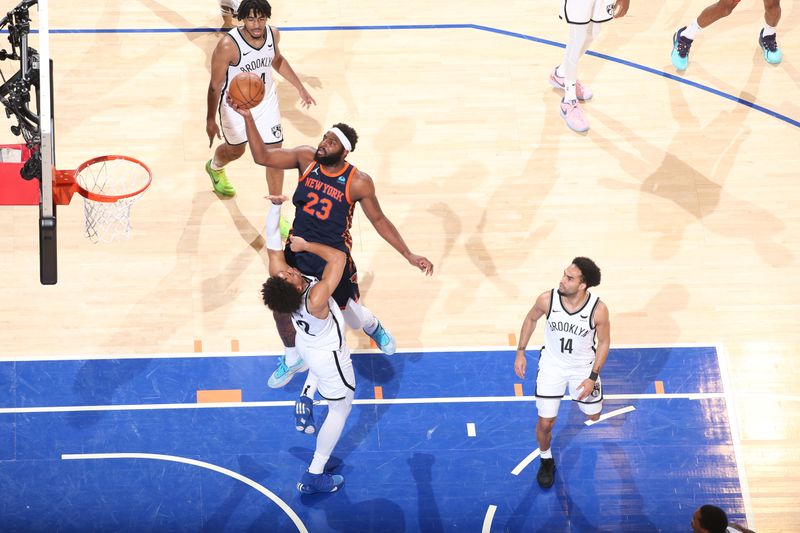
(324, 210)
(570, 337)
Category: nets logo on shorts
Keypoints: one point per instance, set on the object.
(276, 131)
(610, 10)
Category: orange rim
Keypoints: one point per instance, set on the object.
(110, 197)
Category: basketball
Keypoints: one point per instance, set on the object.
(246, 90)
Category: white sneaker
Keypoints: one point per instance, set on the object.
(581, 91)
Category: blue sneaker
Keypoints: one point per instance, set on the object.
(768, 44)
(304, 416)
(313, 483)
(383, 339)
(284, 374)
(680, 50)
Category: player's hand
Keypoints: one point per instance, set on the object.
(421, 263)
(306, 98)
(620, 8)
(277, 199)
(297, 244)
(241, 110)
(520, 364)
(213, 131)
(585, 389)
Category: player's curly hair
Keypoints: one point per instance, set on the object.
(258, 7)
(713, 519)
(280, 295)
(590, 273)
(349, 132)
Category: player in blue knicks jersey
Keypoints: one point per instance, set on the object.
(577, 336)
(327, 191)
(251, 47)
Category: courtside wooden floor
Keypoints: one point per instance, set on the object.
(688, 200)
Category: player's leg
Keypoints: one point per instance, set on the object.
(570, 109)
(357, 316)
(684, 37)
(336, 382)
(275, 187)
(291, 362)
(550, 387)
(767, 39)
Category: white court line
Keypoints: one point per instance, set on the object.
(373, 401)
(175, 459)
(209, 355)
(525, 462)
(733, 424)
(487, 520)
(610, 414)
(471, 429)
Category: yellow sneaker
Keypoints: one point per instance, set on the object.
(286, 226)
(220, 181)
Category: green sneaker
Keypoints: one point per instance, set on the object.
(220, 181)
(286, 226)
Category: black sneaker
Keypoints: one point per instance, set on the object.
(547, 473)
(680, 50)
(769, 46)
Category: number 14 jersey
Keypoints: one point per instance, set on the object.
(570, 337)
(324, 210)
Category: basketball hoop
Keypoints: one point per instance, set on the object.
(110, 185)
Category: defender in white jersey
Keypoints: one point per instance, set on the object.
(576, 342)
(320, 339)
(251, 47)
(584, 18)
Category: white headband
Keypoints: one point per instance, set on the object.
(342, 138)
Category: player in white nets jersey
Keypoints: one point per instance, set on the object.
(320, 337)
(251, 47)
(576, 341)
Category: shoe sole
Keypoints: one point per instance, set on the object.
(555, 85)
(310, 490)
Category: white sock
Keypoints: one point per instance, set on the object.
(290, 356)
(769, 30)
(691, 30)
(570, 93)
(560, 71)
(547, 454)
(215, 165)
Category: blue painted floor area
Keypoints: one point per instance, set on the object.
(408, 466)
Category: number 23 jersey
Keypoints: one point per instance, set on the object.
(570, 337)
(324, 210)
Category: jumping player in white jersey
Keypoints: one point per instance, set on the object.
(584, 18)
(251, 47)
(570, 359)
(320, 337)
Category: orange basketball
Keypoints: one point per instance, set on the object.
(246, 90)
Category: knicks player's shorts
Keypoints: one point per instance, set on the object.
(554, 379)
(334, 371)
(586, 11)
(313, 265)
(267, 117)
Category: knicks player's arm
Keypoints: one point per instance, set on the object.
(603, 332)
(331, 276)
(225, 54)
(282, 67)
(540, 308)
(362, 190)
(285, 158)
(272, 232)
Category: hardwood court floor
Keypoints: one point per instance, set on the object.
(685, 198)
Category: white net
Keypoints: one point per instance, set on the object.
(113, 185)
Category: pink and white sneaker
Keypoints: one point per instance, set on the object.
(572, 114)
(581, 91)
